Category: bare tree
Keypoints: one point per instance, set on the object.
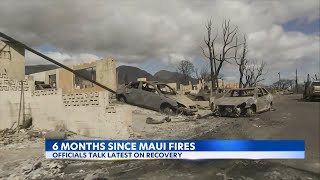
(242, 61)
(285, 83)
(253, 73)
(218, 59)
(315, 78)
(209, 41)
(203, 73)
(186, 69)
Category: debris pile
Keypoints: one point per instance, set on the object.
(12, 136)
(37, 169)
(150, 120)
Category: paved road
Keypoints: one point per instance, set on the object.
(291, 118)
(302, 122)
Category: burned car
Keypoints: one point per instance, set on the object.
(156, 96)
(312, 90)
(204, 94)
(244, 101)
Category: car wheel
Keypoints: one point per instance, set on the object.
(122, 99)
(179, 111)
(167, 110)
(250, 112)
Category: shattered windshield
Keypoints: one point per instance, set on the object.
(165, 89)
(241, 93)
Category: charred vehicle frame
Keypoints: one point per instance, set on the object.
(243, 101)
(156, 96)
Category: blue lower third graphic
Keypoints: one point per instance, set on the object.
(175, 149)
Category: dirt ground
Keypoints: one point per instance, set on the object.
(291, 119)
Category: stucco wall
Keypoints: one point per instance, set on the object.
(12, 60)
(142, 79)
(88, 114)
(44, 76)
(105, 74)
(10, 93)
(173, 86)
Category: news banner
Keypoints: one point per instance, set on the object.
(174, 149)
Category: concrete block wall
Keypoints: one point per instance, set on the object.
(105, 74)
(9, 108)
(47, 109)
(86, 99)
(113, 122)
(10, 93)
(12, 59)
(7, 84)
(185, 88)
(88, 114)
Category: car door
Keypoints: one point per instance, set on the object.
(151, 96)
(269, 97)
(262, 103)
(133, 94)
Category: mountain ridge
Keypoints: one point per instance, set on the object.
(124, 73)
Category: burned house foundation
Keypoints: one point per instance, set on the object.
(74, 98)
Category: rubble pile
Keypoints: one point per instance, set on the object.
(37, 168)
(40, 168)
(13, 136)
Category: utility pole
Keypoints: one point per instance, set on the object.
(279, 81)
(297, 80)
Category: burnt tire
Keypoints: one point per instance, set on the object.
(179, 112)
(122, 99)
(250, 112)
(166, 109)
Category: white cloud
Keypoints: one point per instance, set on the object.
(61, 57)
(135, 31)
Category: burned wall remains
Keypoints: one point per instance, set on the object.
(12, 60)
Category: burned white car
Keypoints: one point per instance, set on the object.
(312, 90)
(244, 101)
(156, 96)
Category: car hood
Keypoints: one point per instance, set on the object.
(316, 88)
(233, 100)
(182, 100)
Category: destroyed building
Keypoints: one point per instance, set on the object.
(73, 104)
(102, 71)
(12, 60)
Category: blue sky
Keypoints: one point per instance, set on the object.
(303, 25)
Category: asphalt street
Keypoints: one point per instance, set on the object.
(291, 118)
